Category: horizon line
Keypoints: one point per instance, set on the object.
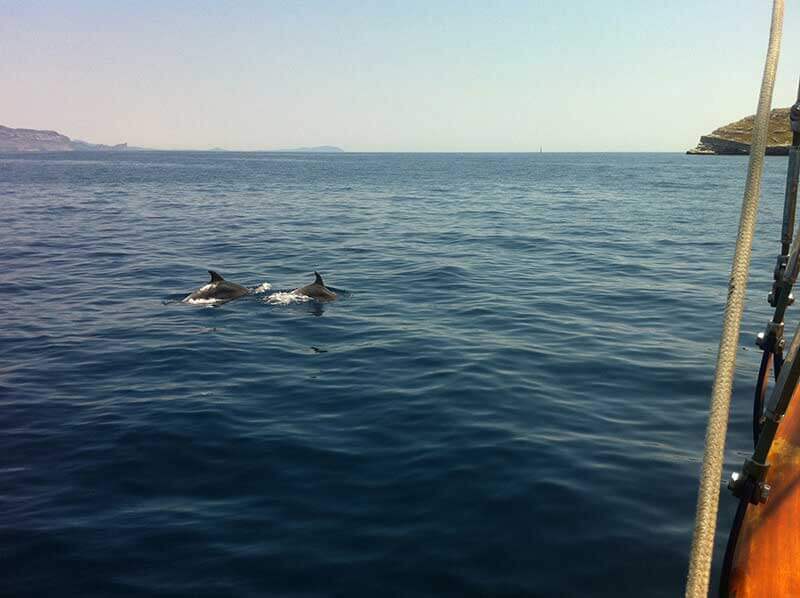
(139, 150)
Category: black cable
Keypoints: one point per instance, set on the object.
(761, 394)
(730, 548)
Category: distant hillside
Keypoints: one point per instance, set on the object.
(735, 137)
(34, 140)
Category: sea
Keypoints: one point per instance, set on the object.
(508, 397)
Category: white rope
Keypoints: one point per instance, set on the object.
(710, 478)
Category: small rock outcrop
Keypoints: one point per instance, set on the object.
(735, 138)
(34, 140)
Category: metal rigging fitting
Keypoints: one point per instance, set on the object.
(785, 274)
(794, 117)
(750, 485)
(781, 284)
(772, 339)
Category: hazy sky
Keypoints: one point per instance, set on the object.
(387, 75)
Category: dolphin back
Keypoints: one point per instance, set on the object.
(317, 290)
(217, 291)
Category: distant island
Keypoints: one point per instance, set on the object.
(735, 138)
(34, 140)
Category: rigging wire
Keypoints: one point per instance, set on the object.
(713, 459)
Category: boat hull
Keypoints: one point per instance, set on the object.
(767, 557)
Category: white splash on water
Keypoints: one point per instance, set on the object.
(262, 288)
(280, 298)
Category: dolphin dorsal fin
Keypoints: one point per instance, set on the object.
(215, 277)
(318, 279)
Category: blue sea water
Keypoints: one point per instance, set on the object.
(509, 398)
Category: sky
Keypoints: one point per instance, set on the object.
(388, 75)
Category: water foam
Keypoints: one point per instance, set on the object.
(262, 288)
(283, 298)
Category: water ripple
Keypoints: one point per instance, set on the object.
(508, 399)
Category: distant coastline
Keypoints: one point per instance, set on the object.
(45, 140)
(38, 140)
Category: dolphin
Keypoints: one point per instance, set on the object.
(217, 291)
(316, 290)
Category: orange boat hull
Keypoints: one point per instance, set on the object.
(767, 558)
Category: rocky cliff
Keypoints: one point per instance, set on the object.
(33, 140)
(735, 138)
